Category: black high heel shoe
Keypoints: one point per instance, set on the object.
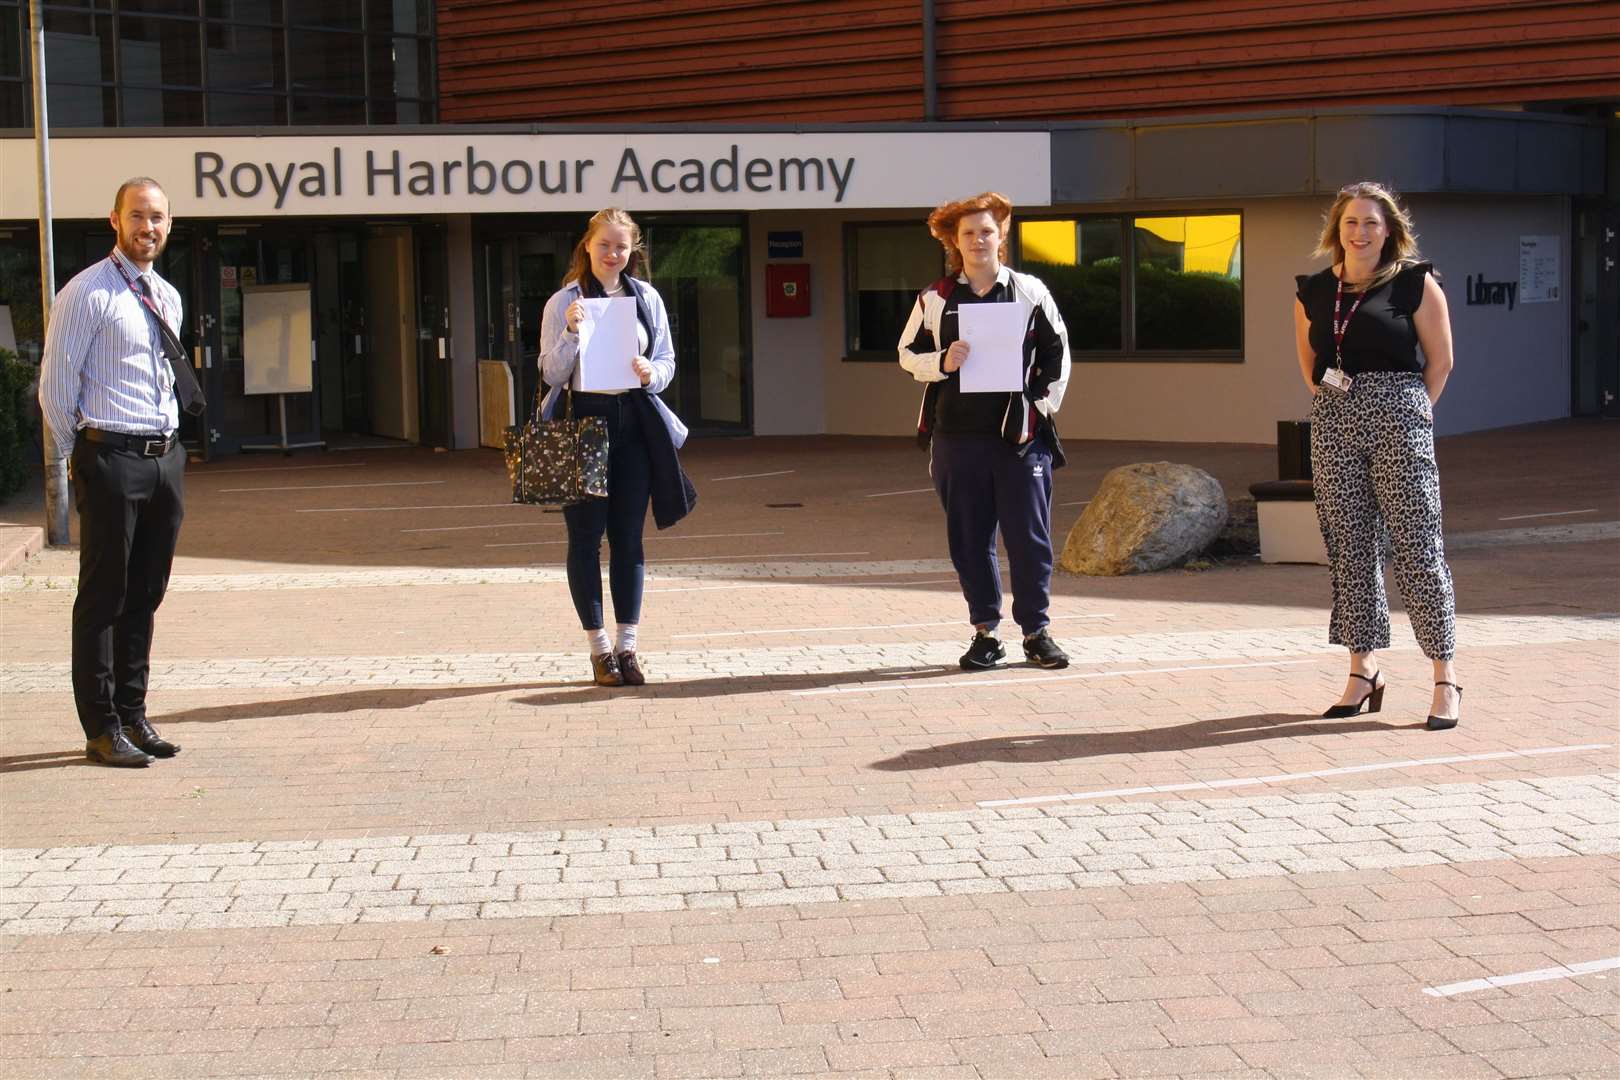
(1446, 723)
(1373, 699)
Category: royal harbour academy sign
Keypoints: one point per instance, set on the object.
(474, 172)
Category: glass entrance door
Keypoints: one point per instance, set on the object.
(700, 271)
(517, 273)
(242, 256)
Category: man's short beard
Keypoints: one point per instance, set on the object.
(128, 247)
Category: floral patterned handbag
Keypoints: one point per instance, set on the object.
(558, 462)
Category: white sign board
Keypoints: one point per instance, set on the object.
(1539, 269)
(476, 171)
(277, 350)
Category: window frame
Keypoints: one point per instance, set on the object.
(851, 304)
(1129, 353)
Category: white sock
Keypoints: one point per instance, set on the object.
(626, 639)
(600, 646)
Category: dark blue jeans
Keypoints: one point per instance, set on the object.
(621, 517)
(986, 487)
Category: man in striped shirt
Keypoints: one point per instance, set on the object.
(107, 389)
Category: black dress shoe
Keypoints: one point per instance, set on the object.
(145, 737)
(114, 748)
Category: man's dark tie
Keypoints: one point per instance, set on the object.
(186, 386)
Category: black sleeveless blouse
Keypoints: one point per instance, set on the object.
(1381, 336)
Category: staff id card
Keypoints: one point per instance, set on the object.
(608, 344)
(995, 337)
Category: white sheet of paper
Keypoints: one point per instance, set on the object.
(607, 344)
(995, 337)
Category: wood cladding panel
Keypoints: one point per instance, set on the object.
(1018, 59)
(821, 61)
(680, 60)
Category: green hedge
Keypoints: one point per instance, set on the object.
(16, 423)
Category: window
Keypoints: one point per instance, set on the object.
(1144, 287)
(146, 63)
(888, 264)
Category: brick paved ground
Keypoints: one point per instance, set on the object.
(406, 838)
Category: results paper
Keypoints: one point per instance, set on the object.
(995, 337)
(607, 344)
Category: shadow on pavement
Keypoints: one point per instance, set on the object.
(1200, 734)
(56, 759)
(731, 685)
(353, 701)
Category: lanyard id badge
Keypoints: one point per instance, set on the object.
(1335, 378)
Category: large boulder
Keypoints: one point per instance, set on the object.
(1146, 517)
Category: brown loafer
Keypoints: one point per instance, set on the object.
(630, 670)
(605, 669)
(114, 748)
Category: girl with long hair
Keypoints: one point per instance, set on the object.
(643, 437)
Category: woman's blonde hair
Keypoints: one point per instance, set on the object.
(579, 267)
(943, 221)
(1400, 245)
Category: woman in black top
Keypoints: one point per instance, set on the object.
(1358, 326)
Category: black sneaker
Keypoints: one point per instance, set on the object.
(1039, 648)
(985, 651)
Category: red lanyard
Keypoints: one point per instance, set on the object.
(144, 294)
(1340, 327)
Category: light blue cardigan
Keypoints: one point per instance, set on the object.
(559, 351)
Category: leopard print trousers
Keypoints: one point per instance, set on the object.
(1373, 468)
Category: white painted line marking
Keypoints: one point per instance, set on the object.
(1082, 502)
(692, 536)
(451, 506)
(1281, 778)
(751, 476)
(466, 528)
(334, 487)
(371, 446)
(1553, 513)
(800, 585)
(205, 473)
(1028, 680)
(1562, 971)
(756, 558)
(910, 491)
(840, 629)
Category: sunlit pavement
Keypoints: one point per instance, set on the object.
(407, 837)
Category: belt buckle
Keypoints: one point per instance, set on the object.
(155, 448)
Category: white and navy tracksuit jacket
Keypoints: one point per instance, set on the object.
(932, 329)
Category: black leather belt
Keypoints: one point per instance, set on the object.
(145, 445)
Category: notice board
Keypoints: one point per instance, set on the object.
(277, 350)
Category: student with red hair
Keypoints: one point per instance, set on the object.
(991, 454)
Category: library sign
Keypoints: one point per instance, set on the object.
(478, 172)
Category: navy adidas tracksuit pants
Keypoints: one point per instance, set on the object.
(985, 484)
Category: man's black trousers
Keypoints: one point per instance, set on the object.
(130, 507)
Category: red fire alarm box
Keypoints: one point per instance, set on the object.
(787, 290)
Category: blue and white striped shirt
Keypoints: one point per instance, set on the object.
(103, 364)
